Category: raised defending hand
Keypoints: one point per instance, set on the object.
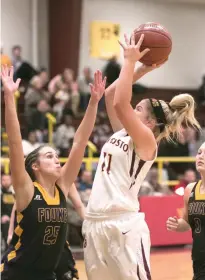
(10, 87)
(98, 88)
(131, 50)
(172, 224)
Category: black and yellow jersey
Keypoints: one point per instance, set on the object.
(39, 237)
(196, 217)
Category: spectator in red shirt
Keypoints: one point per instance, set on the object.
(189, 177)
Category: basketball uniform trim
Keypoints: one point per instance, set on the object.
(138, 272)
(198, 195)
(49, 200)
(132, 162)
(18, 231)
(145, 263)
(140, 165)
(2, 267)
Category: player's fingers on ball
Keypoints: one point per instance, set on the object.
(139, 43)
(145, 52)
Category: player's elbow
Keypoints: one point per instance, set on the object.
(118, 106)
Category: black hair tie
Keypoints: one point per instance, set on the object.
(159, 113)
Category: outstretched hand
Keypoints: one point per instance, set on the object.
(97, 89)
(10, 87)
(131, 50)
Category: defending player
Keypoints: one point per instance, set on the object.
(41, 223)
(194, 217)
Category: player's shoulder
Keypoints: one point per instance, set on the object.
(189, 188)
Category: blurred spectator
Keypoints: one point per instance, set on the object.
(22, 69)
(30, 144)
(16, 57)
(178, 148)
(34, 94)
(189, 177)
(86, 181)
(64, 135)
(60, 81)
(112, 70)
(61, 99)
(101, 132)
(200, 139)
(202, 92)
(65, 91)
(151, 186)
(7, 201)
(84, 87)
(5, 60)
(43, 75)
(85, 195)
(75, 99)
(191, 138)
(38, 120)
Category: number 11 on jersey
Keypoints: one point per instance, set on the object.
(107, 168)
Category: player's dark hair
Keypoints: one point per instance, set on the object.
(30, 159)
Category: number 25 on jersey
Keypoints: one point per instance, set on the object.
(106, 165)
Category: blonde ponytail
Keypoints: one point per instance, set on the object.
(180, 111)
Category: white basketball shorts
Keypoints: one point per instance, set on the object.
(117, 247)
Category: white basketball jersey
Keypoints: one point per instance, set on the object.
(118, 178)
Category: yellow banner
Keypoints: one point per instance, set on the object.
(104, 38)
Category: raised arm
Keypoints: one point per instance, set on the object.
(71, 168)
(21, 181)
(110, 93)
(142, 136)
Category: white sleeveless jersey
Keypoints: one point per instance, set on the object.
(118, 178)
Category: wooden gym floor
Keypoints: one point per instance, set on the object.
(165, 265)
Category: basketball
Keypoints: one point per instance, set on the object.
(157, 39)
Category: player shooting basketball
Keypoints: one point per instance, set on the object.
(117, 244)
